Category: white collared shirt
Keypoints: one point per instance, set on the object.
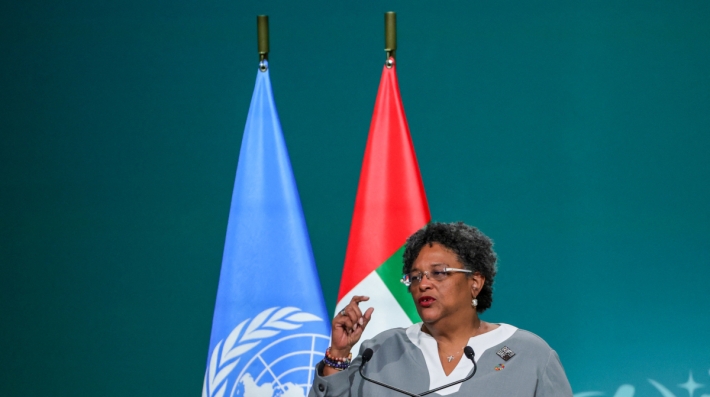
(479, 343)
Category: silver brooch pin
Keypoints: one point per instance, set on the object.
(505, 353)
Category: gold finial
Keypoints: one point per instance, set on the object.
(390, 35)
(262, 34)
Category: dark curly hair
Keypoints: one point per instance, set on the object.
(473, 249)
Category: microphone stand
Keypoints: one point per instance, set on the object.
(386, 385)
(469, 354)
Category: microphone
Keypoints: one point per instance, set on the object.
(367, 356)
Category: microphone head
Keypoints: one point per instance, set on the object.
(367, 355)
(468, 351)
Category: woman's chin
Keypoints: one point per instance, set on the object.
(429, 316)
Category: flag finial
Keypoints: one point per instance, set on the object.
(262, 34)
(390, 36)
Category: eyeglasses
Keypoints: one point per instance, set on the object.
(415, 278)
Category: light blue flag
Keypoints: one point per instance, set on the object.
(270, 324)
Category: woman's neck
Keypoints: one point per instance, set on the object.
(454, 331)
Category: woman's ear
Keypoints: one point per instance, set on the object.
(476, 282)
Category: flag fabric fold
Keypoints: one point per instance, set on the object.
(270, 324)
(390, 205)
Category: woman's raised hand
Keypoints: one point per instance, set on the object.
(348, 326)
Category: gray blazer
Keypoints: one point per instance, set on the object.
(534, 371)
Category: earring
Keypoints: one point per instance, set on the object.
(474, 302)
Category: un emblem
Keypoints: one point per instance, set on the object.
(282, 367)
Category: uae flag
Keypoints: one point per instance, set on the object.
(389, 207)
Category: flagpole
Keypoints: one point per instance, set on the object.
(390, 36)
(266, 230)
(262, 37)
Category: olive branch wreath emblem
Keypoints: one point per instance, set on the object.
(225, 355)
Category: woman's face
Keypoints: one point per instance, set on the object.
(436, 300)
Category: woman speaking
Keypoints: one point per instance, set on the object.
(449, 271)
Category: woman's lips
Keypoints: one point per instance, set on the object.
(426, 301)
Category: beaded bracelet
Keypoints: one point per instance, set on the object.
(339, 363)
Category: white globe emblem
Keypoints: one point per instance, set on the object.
(280, 371)
(282, 368)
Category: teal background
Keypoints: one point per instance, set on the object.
(575, 134)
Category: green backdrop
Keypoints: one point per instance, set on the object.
(575, 134)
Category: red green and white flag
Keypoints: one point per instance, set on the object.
(389, 207)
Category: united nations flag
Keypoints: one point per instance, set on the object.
(270, 325)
